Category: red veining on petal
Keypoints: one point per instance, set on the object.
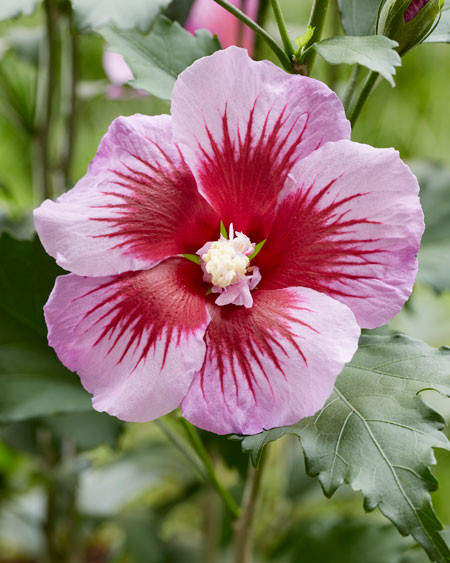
(158, 210)
(311, 245)
(238, 337)
(242, 176)
(138, 310)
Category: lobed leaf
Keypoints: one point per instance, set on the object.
(33, 381)
(375, 52)
(157, 58)
(376, 434)
(132, 14)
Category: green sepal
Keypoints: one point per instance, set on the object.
(223, 230)
(258, 248)
(192, 257)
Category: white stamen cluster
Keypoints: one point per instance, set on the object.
(227, 260)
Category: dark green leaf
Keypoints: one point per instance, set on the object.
(131, 14)
(342, 540)
(434, 255)
(158, 57)
(376, 434)
(441, 34)
(33, 381)
(13, 8)
(86, 429)
(375, 52)
(178, 10)
(359, 17)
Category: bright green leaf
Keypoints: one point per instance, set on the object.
(13, 8)
(305, 38)
(158, 57)
(375, 52)
(441, 34)
(32, 380)
(376, 434)
(359, 17)
(131, 14)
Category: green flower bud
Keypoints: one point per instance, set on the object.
(408, 22)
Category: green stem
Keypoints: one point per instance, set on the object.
(282, 28)
(72, 102)
(180, 445)
(284, 59)
(45, 128)
(200, 449)
(316, 20)
(346, 100)
(261, 17)
(244, 526)
(362, 98)
(333, 71)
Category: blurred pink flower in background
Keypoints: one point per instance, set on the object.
(205, 14)
(118, 72)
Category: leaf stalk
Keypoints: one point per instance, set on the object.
(368, 85)
(202, 453)
(289, 49)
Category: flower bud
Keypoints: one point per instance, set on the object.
(407, 22)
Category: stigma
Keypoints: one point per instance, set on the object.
(226, 265)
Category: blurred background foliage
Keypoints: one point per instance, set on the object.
(86, 487)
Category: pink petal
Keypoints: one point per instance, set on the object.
(137, 204)
(270, 365)
(136, 339)
(243, 125)
(348, 224)
(209, 15)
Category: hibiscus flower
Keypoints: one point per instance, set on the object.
(224, 258)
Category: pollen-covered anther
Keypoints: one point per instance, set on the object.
(225, 263)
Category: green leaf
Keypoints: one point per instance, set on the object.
(434, 254)
(375, 52)
(304, 39)
(13, 8)
(32, 380)
(87, 429)
(376, 434)
(340, 539)
(441, 33)
(359, 17)
(158, 57)
(131, 14)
